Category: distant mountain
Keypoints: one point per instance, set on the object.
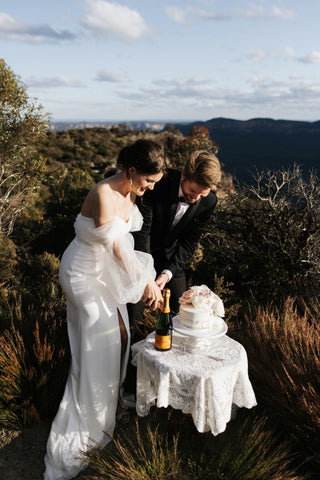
(262, 143)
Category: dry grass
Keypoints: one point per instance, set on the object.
(250, 449)
(31, 377)
(138, 454)
(147, 325)
(283, 349)
(284, 367)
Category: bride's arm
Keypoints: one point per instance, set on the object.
(152, 295)
(99, 204)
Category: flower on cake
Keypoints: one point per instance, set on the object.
(202, 298)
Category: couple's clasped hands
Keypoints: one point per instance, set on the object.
(152, 295)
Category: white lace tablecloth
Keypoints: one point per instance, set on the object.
(202, 377)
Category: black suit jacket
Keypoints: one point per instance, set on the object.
(171, 249)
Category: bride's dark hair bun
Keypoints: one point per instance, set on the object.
(146, 156)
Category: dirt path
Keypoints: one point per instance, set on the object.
(21, 454)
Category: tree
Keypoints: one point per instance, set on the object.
(22, 126)
(197, 139)
(265, 238)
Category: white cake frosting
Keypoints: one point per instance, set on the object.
(198, 308)
(191, 317)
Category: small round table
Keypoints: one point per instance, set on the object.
(205, 379)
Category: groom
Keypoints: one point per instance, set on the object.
(176, 213)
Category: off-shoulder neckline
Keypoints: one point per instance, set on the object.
(114, 218)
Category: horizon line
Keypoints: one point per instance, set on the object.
(182, 121)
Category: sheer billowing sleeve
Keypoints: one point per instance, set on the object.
(124, 271)
(128, 271)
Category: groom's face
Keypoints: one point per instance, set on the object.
(192, 191)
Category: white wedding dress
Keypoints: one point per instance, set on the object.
(100, 272)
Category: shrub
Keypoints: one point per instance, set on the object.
(22, 127)
(178, 148)
(139, 455)
(8, 259)
(34, 353)
(41, 285)
(283, 349)
(250, 449)
(67, 189)
(264, 239)
(32, 376)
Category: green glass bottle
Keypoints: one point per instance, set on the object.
(163, 336)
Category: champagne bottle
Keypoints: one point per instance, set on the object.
(163, 337)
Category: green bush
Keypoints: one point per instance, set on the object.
(8, 260)
(22, 127)
(53, 231)
(264, 239)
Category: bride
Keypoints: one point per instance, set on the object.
(100, 272)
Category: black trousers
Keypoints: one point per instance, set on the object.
(177, 286)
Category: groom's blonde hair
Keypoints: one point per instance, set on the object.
(203, 168)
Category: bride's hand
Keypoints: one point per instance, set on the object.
(152, 296)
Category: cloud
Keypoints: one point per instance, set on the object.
(296, 90)
(182, 89)
(313, 57)
(256, 55)
(208, 15)
(16, 31)
(182, 82)
(53, 82)
(255, 12)
(283, 13)
(177, 14)
(111, 76)
(107, 20)
(268, 95)
(288, 52)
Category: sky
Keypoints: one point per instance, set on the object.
(170, 60)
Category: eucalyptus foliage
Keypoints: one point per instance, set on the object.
(22, 126)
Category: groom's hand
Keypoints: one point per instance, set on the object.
(162, 279)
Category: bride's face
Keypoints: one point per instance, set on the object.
(143, 182)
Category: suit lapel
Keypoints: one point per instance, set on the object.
(173, 200)
(185, 219)
(173, 209)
